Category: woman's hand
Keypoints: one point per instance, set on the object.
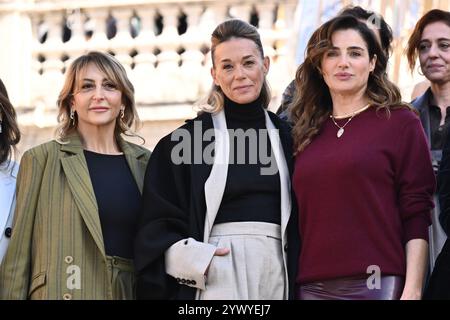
(219, 252)
(222, 251)
(411, 295)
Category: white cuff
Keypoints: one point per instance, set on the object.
(187, 261)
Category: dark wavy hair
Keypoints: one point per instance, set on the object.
(312, 106)
(431, 16)
(10, 135)
(378, 21)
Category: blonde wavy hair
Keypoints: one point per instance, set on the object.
(312, 103)
(233, 28)
(114, 72)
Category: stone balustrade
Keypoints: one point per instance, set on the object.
(164, 46)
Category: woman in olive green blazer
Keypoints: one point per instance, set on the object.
(61, 231)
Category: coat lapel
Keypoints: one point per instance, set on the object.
(421, 105)
(199, 174)
(136, 161)
(77, 174)
(279, 143)
(215, 185)
(283, 170)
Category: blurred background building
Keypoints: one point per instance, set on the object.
(164, 45)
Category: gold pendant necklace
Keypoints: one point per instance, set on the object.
(354, 113)
(341, 129)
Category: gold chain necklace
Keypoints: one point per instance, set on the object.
(354, 113)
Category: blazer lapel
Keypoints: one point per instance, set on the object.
(136, 161)
(77, 174)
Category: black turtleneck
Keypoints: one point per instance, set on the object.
(249, 195)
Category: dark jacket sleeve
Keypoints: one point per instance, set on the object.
(444, 187)
(163, 222)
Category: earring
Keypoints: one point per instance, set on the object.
(72, 117)
(122, 113)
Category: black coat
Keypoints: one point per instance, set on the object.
(439, 284)
(174, 208)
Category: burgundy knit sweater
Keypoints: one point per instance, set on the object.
(361, 197)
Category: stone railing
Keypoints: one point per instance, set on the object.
(164, 46)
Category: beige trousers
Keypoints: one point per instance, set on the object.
(253, 270)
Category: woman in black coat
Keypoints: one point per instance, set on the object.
(217, 210)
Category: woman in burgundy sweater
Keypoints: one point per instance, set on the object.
(363, 176)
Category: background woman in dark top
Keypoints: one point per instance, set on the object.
(363, 176)
(216, 214)
(9, 138)
(78, 197)
(430, 42)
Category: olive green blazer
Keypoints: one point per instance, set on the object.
(56, 249)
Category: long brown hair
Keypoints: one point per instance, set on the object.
(10, 135)
(432, 16)
(384, 30)
(115, 73)
(233, 28)
(312, 104)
